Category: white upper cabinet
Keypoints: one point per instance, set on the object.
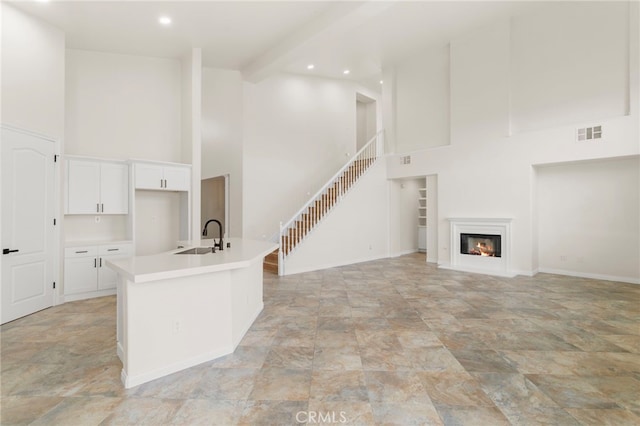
(97, 187)
(162, 177)
(114, 188)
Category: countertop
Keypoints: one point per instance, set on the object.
(140, 269)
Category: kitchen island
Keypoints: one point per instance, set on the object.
(179, 310)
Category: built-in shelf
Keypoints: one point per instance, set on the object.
(422, 219)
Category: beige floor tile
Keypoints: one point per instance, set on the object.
(406, 414)
(394, 341)
(22, 410)
(459, 389)
(605, 417)
(80, 411)
(279, 384)
(332, 385)
(472, 416)
(202, 412)
(352, 413)
(345, 357)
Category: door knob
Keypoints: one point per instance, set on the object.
(7, 251)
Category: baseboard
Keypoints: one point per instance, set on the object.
(431, 260)
(89, 295)
(628, 280)
(477, 271)
(404, 253)
(132, 381)
(290, 271)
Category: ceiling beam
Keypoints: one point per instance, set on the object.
(338, 19)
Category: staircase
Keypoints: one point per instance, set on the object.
(294, 232)
(270, 263)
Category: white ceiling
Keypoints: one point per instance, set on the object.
(262, 37)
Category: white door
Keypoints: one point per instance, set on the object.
(27, 224)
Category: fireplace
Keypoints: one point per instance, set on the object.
(480, 245)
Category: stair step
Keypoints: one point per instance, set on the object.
(270, 262)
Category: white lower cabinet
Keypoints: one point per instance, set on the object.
(85, 268)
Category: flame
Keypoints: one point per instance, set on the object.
(485, 250)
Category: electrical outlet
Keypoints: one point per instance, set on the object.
(97, 219)
(563, 258)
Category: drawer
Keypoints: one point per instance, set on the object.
(81, 251)
(115, 249)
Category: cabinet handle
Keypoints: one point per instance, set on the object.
(161, 183)
(102, 208)
(101, 262)
(83, 251)
(95, 263)
(113, 249)
(165, 183)
(97, 207)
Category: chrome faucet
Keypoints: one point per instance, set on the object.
(204, 233)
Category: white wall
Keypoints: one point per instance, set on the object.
(403, 215)
(222, 136)
(480, 85)
(298, 132)
(157, 221)
(32, 93)
(33, 72)
(485, 172)
(123, 106)
(354, 231)
(568, 64)
(432, 218)
(422, 104)
(588, 218)
(192, 129)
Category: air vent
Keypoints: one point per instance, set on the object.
(589, 133)
(405, 159)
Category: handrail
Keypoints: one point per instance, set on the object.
(313, 211)
(331, 181)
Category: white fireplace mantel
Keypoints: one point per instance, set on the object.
(485, 265)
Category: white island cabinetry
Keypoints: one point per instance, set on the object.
(179, 310)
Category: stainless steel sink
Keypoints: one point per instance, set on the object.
(196, 250)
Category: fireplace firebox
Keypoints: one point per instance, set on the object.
(480, 245)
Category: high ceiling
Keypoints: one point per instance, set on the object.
(262, 37)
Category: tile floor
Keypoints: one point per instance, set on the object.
(394, 341)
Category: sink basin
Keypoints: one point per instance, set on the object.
(196, 250)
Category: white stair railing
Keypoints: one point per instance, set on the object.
(294, 231)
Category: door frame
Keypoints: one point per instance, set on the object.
(57, 210)
(226, 199)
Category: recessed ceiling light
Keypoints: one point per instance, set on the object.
(164, 20)
(310, 66)
(381, 81)
(346, 72)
